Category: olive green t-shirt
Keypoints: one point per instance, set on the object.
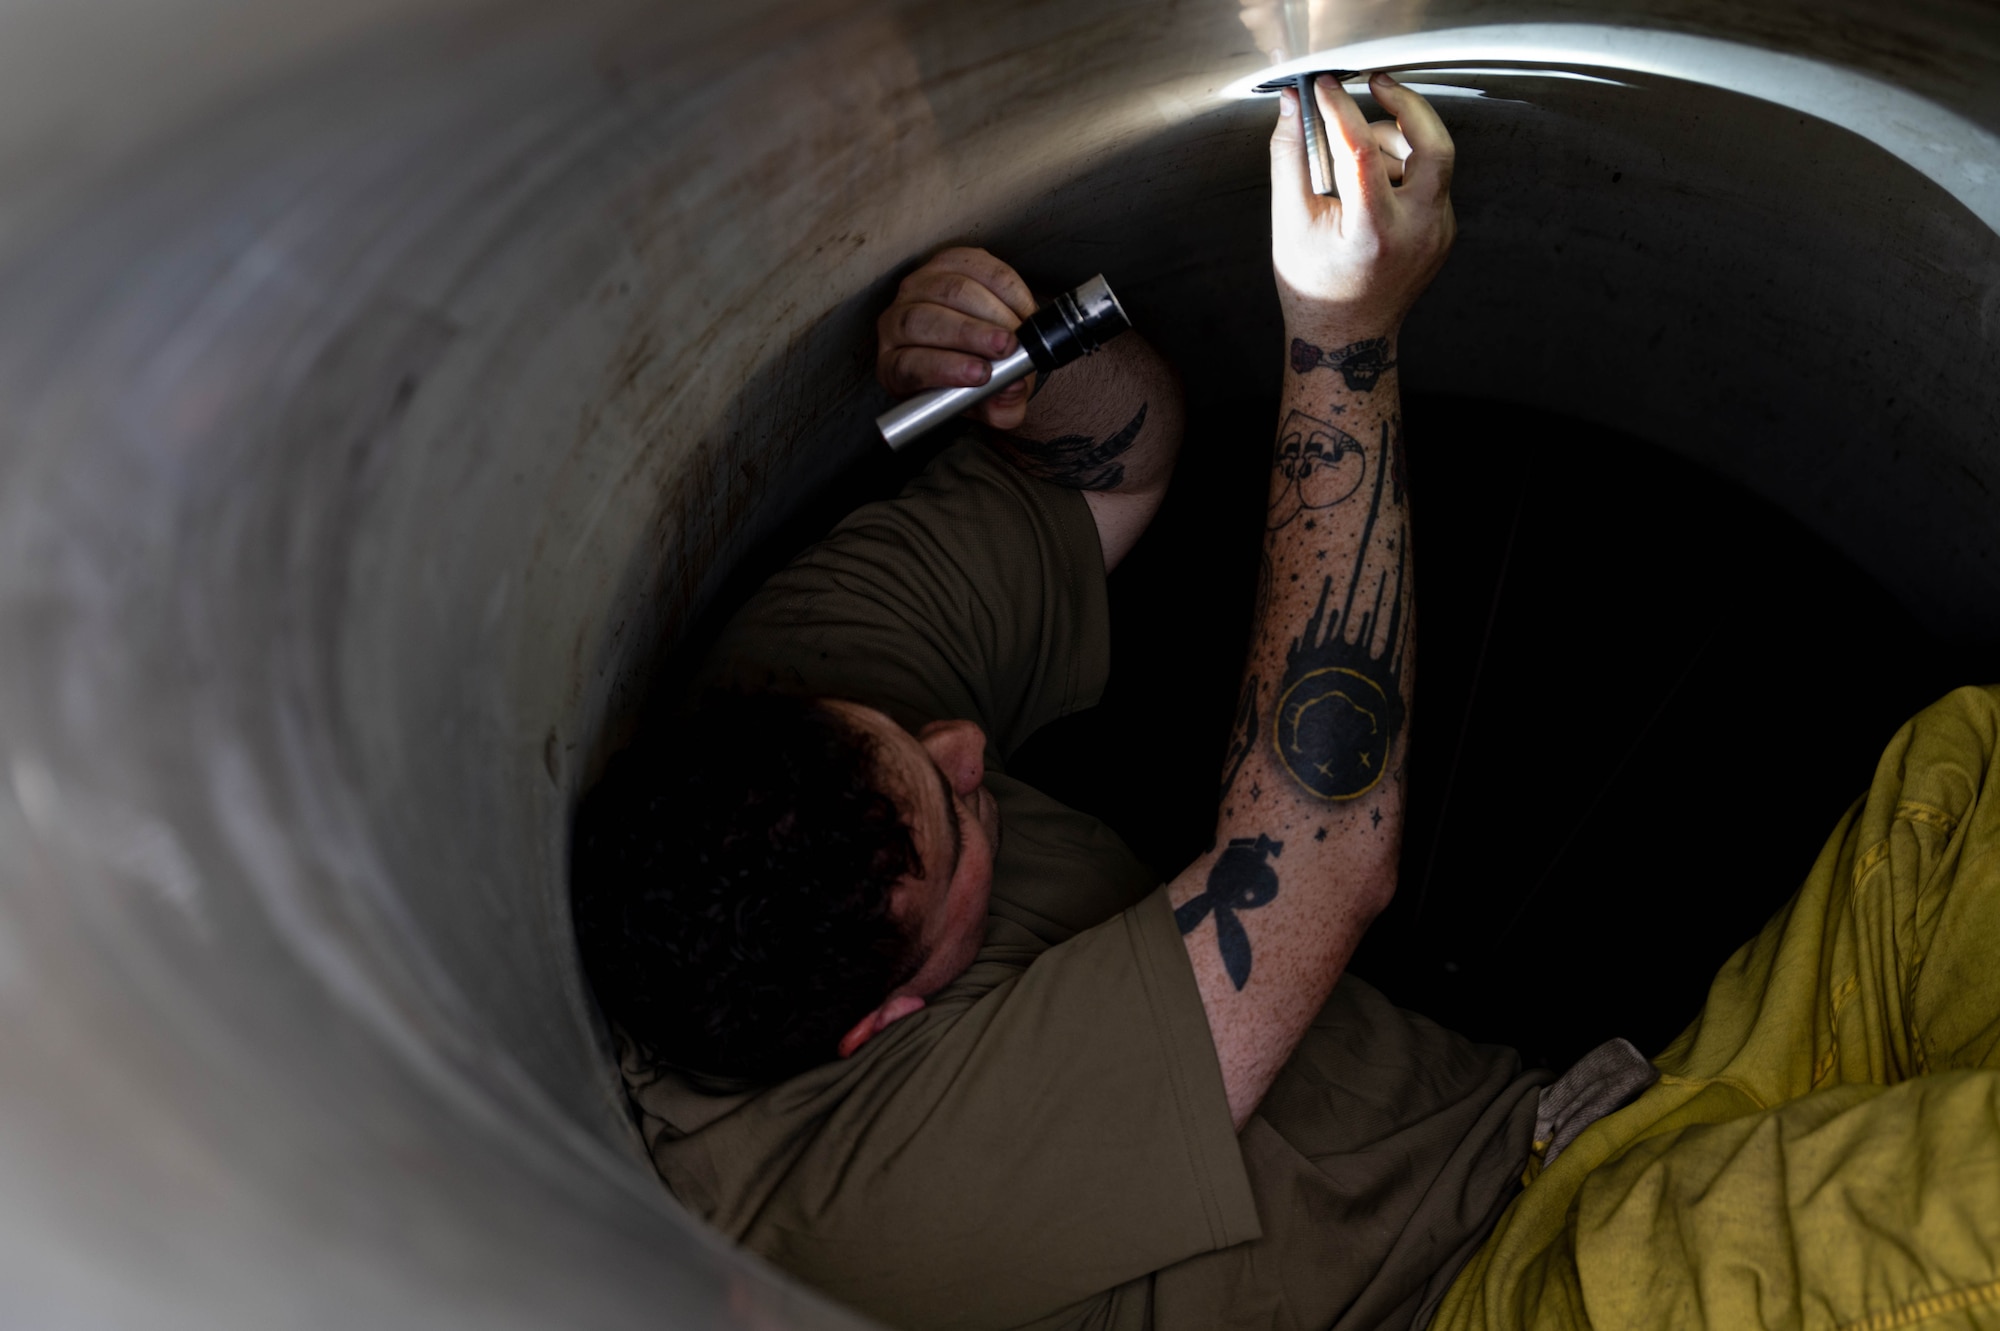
(1047, 1142)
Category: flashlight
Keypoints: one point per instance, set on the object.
(1074, 324)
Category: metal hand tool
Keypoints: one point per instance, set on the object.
(1319, 150)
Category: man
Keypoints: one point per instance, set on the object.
(940, 1047)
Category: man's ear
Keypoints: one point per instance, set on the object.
(893, 1009)
(959, 750)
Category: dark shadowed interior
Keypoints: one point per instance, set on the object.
(1646, 697)
(391, 391)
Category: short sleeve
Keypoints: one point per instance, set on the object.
(1053, 1126)
(1018, 1148)
(977, 593)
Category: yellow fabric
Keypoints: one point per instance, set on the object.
(1823, 1146)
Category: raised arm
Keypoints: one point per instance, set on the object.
(1108, 425)
(1312, 813)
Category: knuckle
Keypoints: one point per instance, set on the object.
(926, 325)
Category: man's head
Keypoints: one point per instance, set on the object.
(777, 880)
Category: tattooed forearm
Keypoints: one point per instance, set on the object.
(1340, 703)
(1322, 465)
(1078, 460)
(1241, 879)
(1360, 363)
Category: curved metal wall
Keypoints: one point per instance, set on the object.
(383, 387)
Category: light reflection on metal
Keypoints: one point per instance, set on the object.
(1959, 156)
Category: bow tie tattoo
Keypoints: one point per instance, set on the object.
(1360, 364)
(1240, 880)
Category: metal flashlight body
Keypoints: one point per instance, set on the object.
(1072, 325)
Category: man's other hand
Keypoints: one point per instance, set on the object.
(949, 319)
(1355, 264)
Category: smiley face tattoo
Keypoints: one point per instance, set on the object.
(1339, 706)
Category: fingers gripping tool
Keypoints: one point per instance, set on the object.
(1073, 325)
(1319, 148)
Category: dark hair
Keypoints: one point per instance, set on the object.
(730, 881)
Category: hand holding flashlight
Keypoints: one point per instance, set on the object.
(950, 320)
(940, 342)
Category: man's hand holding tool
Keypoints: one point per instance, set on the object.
(1357, 262)
(951, 318)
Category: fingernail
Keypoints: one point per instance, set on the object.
(1379, 77)
(1288, 103)
(1002, 343)
(1323, 80)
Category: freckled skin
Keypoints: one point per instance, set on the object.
(1306, 846)
(1332, 648)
